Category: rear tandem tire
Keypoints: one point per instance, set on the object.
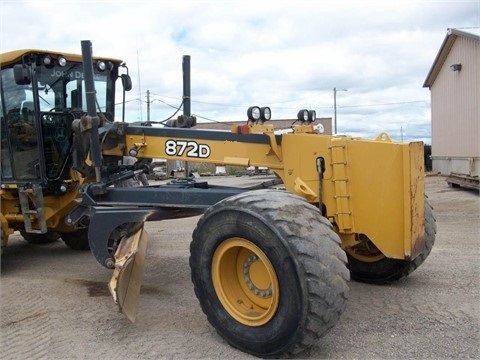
(387, 270)
(269, 272)
(40, 239)
(77, 240)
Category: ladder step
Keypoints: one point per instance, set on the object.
(34, 196)
(340, 179)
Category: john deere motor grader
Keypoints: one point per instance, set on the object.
(270, 264)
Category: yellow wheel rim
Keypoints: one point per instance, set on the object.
(370, 258)
(245, 282)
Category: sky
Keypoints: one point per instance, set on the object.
(288, 55)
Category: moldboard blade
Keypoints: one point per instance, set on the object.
(127, 277)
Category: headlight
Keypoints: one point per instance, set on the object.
(305, 115)
(256, 113)
(265, 113)
(253, 113)
(133, 152)
(302, 115)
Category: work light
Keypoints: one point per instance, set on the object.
(47, 61)
(253, 113)
(305, 115)
(302, 115)
(265, 113)
(62, 61)
(101, 65)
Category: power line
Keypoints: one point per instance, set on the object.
(384, 104)
(286, 108)
(223, 104)
(243, 105)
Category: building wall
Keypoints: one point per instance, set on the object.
(456, 111)
(455, 102)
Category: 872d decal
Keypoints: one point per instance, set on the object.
(187, 148)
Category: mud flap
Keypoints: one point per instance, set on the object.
(127, 277)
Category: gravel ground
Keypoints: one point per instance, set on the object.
(55, 303)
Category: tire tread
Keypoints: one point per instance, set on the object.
(322, 264)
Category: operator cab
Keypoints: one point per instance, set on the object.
(41, 94)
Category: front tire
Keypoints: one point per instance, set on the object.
(375, 268)
(269, 272)
(77, 240)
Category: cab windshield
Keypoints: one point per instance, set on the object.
(61, 88)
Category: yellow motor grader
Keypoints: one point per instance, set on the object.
(270, 264)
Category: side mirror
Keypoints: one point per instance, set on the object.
(21, 74)
(127, 82)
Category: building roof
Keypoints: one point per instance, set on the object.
(452, 35)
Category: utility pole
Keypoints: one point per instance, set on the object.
(335, 107)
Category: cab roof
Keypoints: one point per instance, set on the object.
(14, 56)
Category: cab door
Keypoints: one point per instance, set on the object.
(20, 148)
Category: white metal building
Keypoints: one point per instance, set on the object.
(454, 83)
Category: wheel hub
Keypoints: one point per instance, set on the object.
(251, 262)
